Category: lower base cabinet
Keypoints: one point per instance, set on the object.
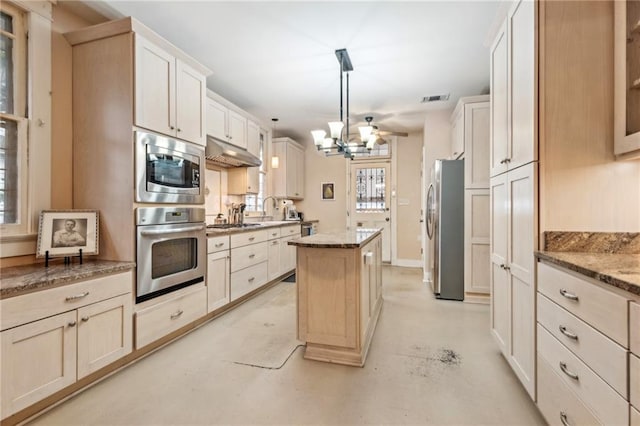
(218, 280)
(82, 335)
(248, 279)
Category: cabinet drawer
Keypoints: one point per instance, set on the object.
(600, 308)
(288, 230)
(215, 244)
(601, 354)
(244, 238)
(41, 304)
(634, 328)
(273, 233)
(557, 402)
(634, 380)
(635, 417)
(243, 257)
(607, 405)
(248, 279)
(159, 320)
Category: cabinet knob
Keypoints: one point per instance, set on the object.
(251, 279)
(563, 418)
(566, 371)
(177, 314)
(85, 319)
(72, 324)
(172, 128)
(219, 245)
(568, 295)
(179, 129)
(251, 256)
(564, 331)
(77, 296)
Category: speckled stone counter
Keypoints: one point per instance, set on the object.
(18, 280)
(252, 226)
(347, 239)
(611, 258)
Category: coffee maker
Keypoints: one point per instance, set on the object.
(289, 210)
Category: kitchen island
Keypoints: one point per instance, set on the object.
(339, 296)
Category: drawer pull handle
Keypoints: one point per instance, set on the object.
(85, 319)
(274, 243)
(251, 279)
(219, 245)
(72, 323)
(177, 314)
(251, 256)
(570, 335)
(563, 418)
(77, 296)
(563, 367)
(274, 234)
(252, 238)
(568, 295)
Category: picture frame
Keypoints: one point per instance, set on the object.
(327, 191)
(64, 233)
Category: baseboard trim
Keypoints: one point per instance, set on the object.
(409, 263)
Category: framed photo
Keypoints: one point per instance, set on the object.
(328, 191)
(65, 232)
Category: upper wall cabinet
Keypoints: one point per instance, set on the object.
(288, 178)
(226, 124)
(513, 91)
(470, 138)
(169, 93)
(253, 138)
(627, 79)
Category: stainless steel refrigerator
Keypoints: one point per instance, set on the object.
(445, 229)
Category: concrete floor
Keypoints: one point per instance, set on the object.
(430, 362)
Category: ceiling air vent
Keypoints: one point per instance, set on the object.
(435, 98)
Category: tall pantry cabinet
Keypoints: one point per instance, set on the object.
(513, 189)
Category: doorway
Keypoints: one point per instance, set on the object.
(370, 200)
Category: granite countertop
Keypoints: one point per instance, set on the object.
(18, 280)
(253, 226)
(611, 258)
(347, 239)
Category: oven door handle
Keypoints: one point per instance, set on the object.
(173, 230)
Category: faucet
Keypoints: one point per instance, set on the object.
(275, 200)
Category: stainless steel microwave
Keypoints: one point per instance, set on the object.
(168, 170)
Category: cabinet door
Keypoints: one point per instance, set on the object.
(522, 89)
(498, 128)
(218, 276)
(190, 105)
(253, 138)
(287, 255)
(237, 129)
(155, 88)
(476, 141)
(457, 135)
(253, 180)
(498, 277)
(38, 359)
(274, 259)
(295, 172)
(104, 333)
(522, 219)
(217, 120)
(476, 242)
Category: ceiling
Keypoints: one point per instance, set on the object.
(276, 58)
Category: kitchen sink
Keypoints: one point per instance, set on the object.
(233, 225)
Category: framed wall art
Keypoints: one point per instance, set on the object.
(328, 191)
(66, 232)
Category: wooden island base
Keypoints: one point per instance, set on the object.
(339, 298)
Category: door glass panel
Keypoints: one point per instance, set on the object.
(370, 190)
(172, 256)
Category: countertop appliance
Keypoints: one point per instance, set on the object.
(168, 170)
(289, 210)
(445, 228)
(171, 249)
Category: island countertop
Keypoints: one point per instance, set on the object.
(347, 239)
(18, 280)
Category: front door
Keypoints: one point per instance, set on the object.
(370, 200)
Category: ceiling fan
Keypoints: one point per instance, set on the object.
(380, 133)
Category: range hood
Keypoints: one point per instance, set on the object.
(227, 155)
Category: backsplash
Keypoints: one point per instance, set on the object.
(593, 242)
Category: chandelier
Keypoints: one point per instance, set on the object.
(338, 143)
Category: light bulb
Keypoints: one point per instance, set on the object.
(335, 128)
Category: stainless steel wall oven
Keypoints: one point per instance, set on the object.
(171, 249)
(168, 170)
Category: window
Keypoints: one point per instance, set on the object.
(254, 201)
(13, 119)
(370, 190)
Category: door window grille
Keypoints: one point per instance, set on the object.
(370, 190)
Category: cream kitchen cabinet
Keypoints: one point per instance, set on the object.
(226, 124)
(513, 240)
(253, 138)
(243, 180)
(273, 255)
(54, 337)
(627, 79)
(513, 90)
(249, 258)
(218, 272)
(287, 252)
(170, 94)
(583, 336)
(457, 132)
(288, 178)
